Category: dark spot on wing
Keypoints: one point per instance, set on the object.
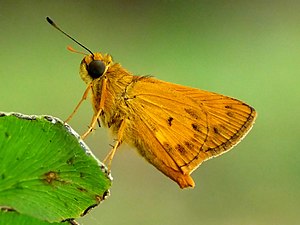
(230, 114)
(228, 106)
(181, 149)
(189, 145)
(196, 127)
(170, 119)
(216, 130)
(194, 114)
(167, 147)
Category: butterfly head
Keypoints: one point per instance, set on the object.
(94, 66)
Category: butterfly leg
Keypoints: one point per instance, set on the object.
(85, 94)
(96, 116)
(110, 155)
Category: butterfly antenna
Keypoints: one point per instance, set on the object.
(55, 26)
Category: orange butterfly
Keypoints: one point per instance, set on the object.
(173, 127)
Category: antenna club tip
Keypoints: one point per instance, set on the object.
(55, 26)
(49, 20)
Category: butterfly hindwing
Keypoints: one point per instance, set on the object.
(182, 127)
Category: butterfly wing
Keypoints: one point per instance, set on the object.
(176, 128)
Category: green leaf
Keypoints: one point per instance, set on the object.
(14, 218)
(46, 170)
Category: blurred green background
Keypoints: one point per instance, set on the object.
(248, 50)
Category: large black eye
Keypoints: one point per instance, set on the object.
(96, 68)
